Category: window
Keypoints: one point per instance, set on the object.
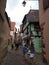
(43, 45)
(1, 18)
(45, 4)
(29, 28)
(32, 27)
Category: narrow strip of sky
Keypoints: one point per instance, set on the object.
(16, 11)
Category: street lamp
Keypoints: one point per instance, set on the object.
(24, 2)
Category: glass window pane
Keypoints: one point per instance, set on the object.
(32, 27)
(29, 28)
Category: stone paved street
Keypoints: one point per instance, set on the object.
(14, 57)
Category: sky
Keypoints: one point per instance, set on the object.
(16, 11)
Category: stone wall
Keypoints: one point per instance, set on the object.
(4, 30)
(44, 23)
(4, 34)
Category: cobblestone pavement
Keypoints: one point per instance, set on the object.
(15, 57)
(38, 60)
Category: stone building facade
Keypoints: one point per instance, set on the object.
(44, 23)
(31, 30)
(12, 32)
(21, 28)
(4, 29)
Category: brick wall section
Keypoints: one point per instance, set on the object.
(44, 22)
(4, 31)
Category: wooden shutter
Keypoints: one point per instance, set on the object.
(45, 4)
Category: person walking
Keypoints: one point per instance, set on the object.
(25, 51)
(31, 53)
(16, 44)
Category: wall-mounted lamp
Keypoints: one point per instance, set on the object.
(24, 3)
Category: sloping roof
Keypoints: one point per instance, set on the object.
(33, 16)
(24, 18)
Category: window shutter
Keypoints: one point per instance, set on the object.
(45, 4)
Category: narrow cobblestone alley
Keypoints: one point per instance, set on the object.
(14, 57)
